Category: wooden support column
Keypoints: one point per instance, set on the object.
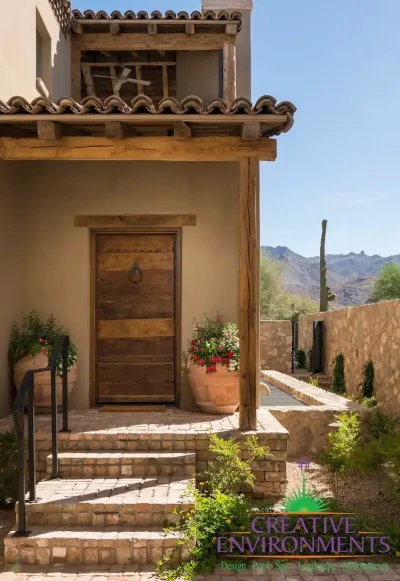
(229, 71)
(249, 281)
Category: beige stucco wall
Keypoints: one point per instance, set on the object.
(197, 73)
(56, 255)
(18, 50)
(11, 236)
(362, 334)
(276, 345)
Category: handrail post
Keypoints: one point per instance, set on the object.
(54, 443)
(65, 350)
(31, 443)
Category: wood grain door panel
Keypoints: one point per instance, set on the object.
(135, 318)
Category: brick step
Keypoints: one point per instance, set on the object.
(137, 502)
(115, 545)
(132, 441)
(119, 464)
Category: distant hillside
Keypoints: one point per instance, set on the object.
(349, 275)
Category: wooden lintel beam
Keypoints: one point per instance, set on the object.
(115, 28)
(132, 41)
(139, 148)
(127, 220)
(49, 130)
(190, 28)
(182, 130)
(114, 130)
(251, 131)
(152, 28)
(249, 280)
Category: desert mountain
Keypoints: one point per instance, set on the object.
(349, 275)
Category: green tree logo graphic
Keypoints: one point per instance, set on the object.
(303, 500)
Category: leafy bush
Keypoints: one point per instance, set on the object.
(310, 357)
(369, 402)
(338, 383)
(214, 342)
(368, 383)
(300, 358)
(338, 455)
(230, 473)
(8, 467)
(218, 508)
(36, 335)
(313, 381)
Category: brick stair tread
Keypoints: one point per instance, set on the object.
(117, 533)
(111, 492)
(109, 457)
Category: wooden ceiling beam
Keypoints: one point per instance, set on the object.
(115, 28)
(132, 42)
(138, 148)
(190, 28)
(115, 130)
(231, 29)
(49, 130)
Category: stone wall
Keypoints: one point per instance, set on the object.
(362, 334)
(276, 345)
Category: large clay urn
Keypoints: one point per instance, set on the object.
(42, 380)
(215, 393)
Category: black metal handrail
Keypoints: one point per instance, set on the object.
(28, 389)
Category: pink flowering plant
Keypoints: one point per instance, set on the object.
(214, 342)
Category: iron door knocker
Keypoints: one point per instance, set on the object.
(135, 272)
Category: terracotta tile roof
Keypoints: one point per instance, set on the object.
(141, 104)
(156, 15)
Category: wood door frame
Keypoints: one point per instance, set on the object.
(177, 232)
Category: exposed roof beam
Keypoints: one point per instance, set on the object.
(152, 28)
(49, 130)
(115, 130)
(182, 129)
(139, 148)
(251, 131)
(131, 42)
(115, 28)
(190, 28)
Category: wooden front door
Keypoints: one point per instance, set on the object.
(135, 318)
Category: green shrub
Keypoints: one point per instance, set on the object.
(300, 358)
(338, 455)
(310, 358)
(339, 385)
(8, 467)
(313, 381)
(368, 383)
(230, 473)
(370, 402)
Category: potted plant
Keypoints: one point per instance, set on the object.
(213, 365)
(30, 348)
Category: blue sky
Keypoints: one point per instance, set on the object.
(339, 63)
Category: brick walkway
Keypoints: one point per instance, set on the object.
(131, 573)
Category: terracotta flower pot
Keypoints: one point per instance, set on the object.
(42, 380)
(215, 393)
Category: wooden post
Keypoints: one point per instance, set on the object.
(249, 279)
(229, 71)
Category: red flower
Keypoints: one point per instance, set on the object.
(213, 359)
(194, 342)
(194, 357)
(201, 349)
(225, 359)
(230, 353)
(201, 361)
(219, 318)
(41, 340)
(219, 359)
(193, 348)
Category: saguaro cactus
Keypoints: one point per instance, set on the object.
(325, 293)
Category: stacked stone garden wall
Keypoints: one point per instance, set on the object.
(362, 334)
(276, 345)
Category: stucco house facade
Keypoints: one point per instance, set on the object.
(97, 175)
